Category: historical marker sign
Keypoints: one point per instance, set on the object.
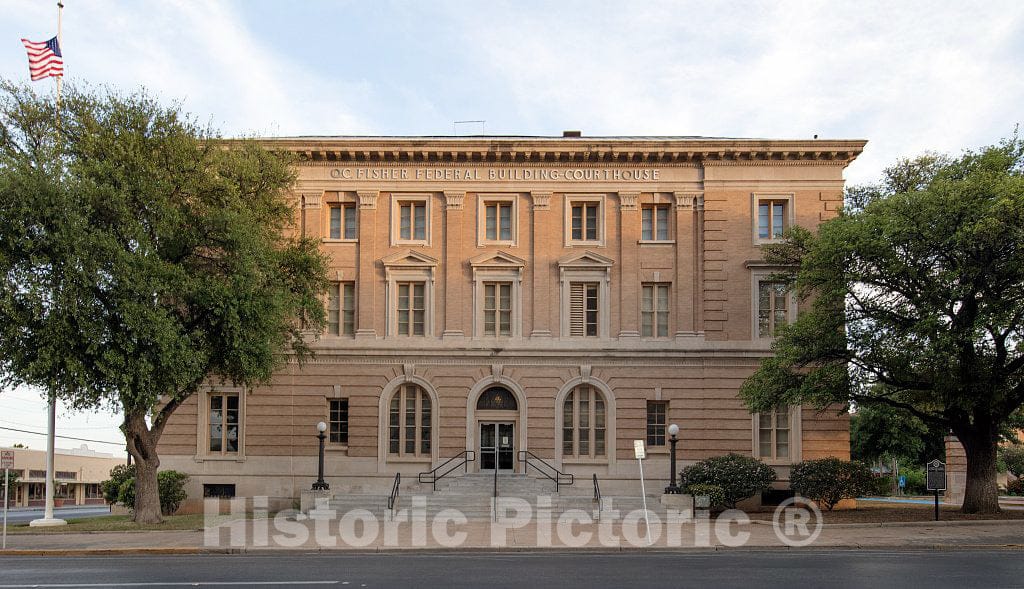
(6, 458)
(936, 476)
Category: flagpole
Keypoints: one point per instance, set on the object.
(48, 519)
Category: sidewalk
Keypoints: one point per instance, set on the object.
(262, 536)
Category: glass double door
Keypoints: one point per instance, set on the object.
(497, 447)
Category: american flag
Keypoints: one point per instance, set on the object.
(44, 59)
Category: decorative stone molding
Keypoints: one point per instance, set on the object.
(541, 201)
(585, 370)
(496, 370)
(686, 200)
(337, 391)
(454, 200)
(628, 200)
(699, 204)
(367, 199)
(408, 372)
(311, 200)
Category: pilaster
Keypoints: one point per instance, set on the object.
(686, 281)
(453, 291)
(543, 242)
(629, 266)
(367, 291)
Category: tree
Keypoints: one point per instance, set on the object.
(882, 431)
(143, 257)
(916, 302)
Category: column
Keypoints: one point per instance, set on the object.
(685, 280)
(629, 265)
(544, 239)
(367, 288)
(454, 290)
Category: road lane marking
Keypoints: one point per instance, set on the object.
(171, 584)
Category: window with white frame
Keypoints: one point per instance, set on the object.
(775, 435)
(654, 221)
(341, 308)
(409, 422)
(654, 307)
(773, 307)
(410, 310)
(584, 309)
(585, 219)
(410, 219)
(497, 219)
(773, 216)
(584, 428)
(224, 423)
(497, 309)
(342, 221)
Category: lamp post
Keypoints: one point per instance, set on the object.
(320, 484)
(672, 488)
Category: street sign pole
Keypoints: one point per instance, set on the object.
(7, 482)
(641, 452)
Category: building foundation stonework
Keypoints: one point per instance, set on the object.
(562, 296)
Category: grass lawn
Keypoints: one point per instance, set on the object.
(879, 512)
(113, 523)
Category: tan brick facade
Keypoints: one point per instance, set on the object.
(577, 244)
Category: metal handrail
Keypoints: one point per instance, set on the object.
(467, 456)
(553, 474)
(597, 494)
(394, 490)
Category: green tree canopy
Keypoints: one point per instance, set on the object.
(916, 303)
(142, 257)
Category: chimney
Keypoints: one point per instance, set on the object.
(572, 133)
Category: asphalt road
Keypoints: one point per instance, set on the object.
(801, 569)
(21, 516)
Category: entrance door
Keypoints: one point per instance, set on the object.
(497, 447)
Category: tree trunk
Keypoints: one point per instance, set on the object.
(981, 494)
(142, 447)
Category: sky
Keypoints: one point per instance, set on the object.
(907, 76)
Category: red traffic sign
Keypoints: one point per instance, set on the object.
(6, 458)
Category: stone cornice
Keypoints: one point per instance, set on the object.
(584, 151)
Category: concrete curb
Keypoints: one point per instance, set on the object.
(931, 524)
(506, 549)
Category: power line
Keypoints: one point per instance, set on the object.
(25, 431)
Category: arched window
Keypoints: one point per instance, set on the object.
(409, 422)
(496, 398)
(583, 423)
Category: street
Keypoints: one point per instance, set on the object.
(22, 516)
(832, 568)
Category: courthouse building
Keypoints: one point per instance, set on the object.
(563, 296)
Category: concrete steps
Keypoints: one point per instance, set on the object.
(472, 496)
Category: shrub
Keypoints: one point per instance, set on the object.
(738, 476)
(830, 480)
(882, 486)
(917, 484)
(171, 484)
(1015, 488)
(112, 486)
(120, 488)
(714, 493)
(1013, 458)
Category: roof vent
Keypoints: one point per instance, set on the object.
(572, 133)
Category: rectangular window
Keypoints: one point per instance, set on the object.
(771, 218)
(772, 307)
(341, 308)
(223, 423)
(498, 221)
(411, 308)
(342, 221)
(338, 421)
(654, 223)
(583, 309)
(66, 475)
(412, 220)
(656, 412)
(498, 308)
(773, 434)
(584, 220)
(654, 304)
(93, 491)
